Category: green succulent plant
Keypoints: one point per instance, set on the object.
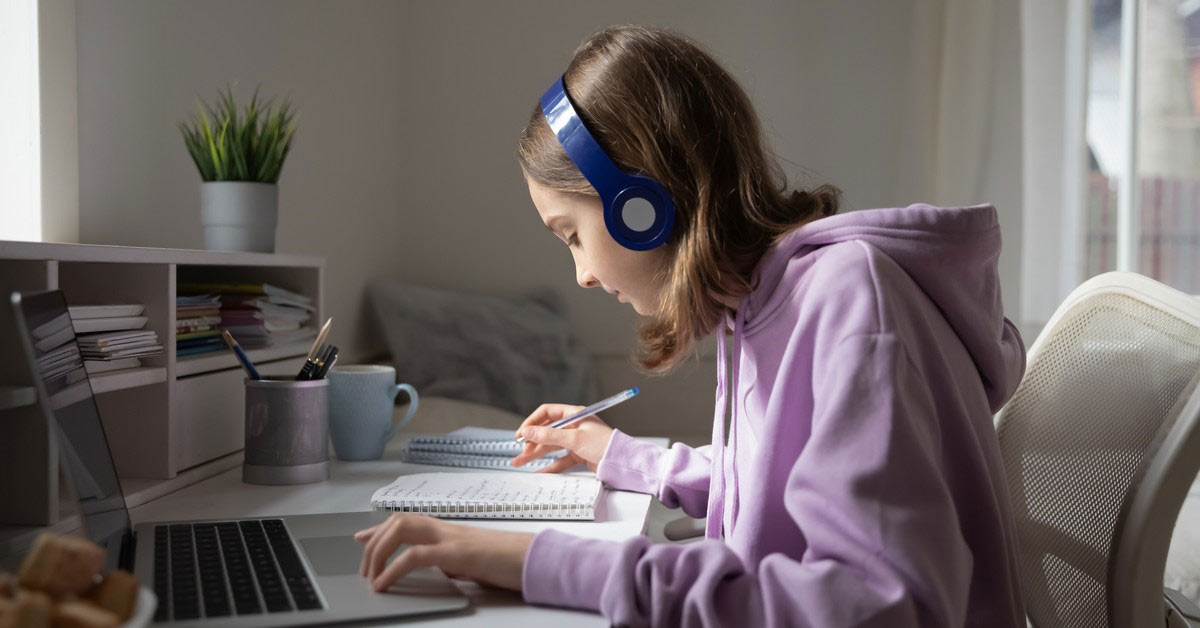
(250, 146)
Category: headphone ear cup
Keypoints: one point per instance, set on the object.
(640, 217)
(638, 214)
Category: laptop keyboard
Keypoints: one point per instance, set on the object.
(228, 568)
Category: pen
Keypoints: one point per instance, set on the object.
(247, 365)
(329, 361)
(309, 362)
(592, 409)
(313, 365)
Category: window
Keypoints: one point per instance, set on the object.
(1142, 181)
(20, 141)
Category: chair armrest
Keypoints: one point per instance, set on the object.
(1181, 611)
(683, 528)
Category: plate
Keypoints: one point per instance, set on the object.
(143, 611)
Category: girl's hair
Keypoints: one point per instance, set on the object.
(660, 105)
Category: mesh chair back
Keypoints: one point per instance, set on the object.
(1102, 383)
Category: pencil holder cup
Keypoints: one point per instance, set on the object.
(287, 431)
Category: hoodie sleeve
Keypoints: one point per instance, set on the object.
(868, 494)
(678, 476)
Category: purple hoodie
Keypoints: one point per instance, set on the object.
(862, 483)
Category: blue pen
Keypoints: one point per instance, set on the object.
(592, 409)
(247, 365)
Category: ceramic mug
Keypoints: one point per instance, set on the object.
(361, 401)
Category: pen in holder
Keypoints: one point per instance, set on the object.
(287, 431)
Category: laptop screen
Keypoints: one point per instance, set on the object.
(57, 364)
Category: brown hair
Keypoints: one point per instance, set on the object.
(660, 105)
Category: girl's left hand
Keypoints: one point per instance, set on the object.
(486, 556)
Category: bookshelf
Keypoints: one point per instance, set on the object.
(170, 415)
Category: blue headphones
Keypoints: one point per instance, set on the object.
(637, 209)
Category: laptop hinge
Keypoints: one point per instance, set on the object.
(128, 551)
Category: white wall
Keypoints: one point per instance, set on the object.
(59, 121)
(404, 164)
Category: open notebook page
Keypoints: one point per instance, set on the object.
(491, 495)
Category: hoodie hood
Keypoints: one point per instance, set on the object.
(951, 254)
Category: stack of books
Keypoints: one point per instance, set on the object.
(197, 321)
(111, 336)
(259, 314)
(60, 357)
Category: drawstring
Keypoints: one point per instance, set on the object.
(739, 327)
(715, 525)
(716, 476)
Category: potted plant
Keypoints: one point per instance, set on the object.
(239, 157)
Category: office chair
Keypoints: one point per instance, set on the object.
(1101, 442)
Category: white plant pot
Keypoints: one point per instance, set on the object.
(239, 215)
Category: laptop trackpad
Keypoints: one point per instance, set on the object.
(333, 555)
(342, 555)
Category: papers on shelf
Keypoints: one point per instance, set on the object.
(109, 324)
(124, 344)
(81, 312)
(95, 367)
(255, 314)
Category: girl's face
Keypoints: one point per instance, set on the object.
(599, 261)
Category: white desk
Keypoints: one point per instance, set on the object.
(622, 515)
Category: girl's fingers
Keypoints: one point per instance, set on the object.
(533, 453)
(402, 530)
(389, 536)
(552, 437)
(560, 465)
(538, 417)
(547, 413)
(362, 536)
(415, 557)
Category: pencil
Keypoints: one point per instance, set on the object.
(241, 356)
(312, 353)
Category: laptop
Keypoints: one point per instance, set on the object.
(273, 571)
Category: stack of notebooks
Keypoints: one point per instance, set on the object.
(111, 336)
(491, 496)
(196, 320)
(474, 447)
(57, 356)
(259, 314)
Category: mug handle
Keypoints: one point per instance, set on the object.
(412, 408)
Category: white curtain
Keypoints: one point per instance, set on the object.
(971, 71)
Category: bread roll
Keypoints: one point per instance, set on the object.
(8, 585)
(8, 613)
(117, 593)
(61, 564)
(83, 614)
(32, 609)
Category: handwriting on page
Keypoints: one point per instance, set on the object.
(508, 490)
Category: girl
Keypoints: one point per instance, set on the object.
(861, 482)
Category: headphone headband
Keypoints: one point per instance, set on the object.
(638, 211)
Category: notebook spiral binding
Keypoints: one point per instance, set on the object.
(487, 510)
(460, 445)
(418, 456)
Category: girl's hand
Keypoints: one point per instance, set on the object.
(486, 556)
(585, 440)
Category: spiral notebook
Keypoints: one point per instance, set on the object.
(491, 496)
(477, 461)
(473, 447)
(470, 440)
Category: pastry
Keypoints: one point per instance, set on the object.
(83, 614)
(31, 609)
(8, 585)
(117, 593)
(61, 564)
